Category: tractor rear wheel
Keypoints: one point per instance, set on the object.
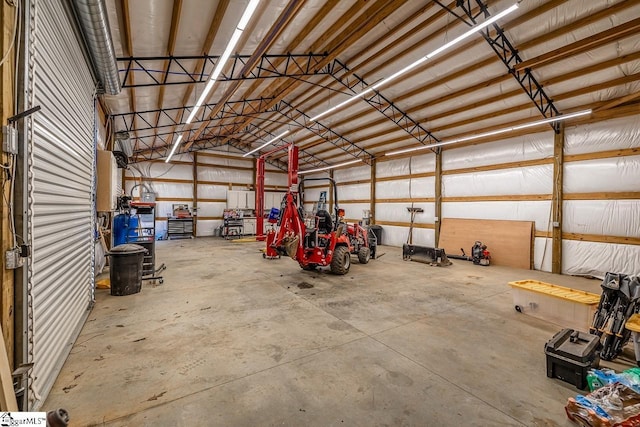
(364, 255)
(341, 260)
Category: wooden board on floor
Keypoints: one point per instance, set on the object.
(510, 242)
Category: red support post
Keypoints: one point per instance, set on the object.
(260, 199)
(293, 166)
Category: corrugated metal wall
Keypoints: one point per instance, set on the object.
(61, 182)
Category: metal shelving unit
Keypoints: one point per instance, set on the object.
(233, 228)
(180, 228)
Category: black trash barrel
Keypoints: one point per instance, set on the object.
(377, 230)
(125, 269)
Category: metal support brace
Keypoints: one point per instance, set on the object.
(231, 109)
(495, 36)
(356, 84)
(324, 132)
(178, 69)
(264, 135)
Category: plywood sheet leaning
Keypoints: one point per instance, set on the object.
(510, 242)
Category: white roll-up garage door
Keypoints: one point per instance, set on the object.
(60, 184)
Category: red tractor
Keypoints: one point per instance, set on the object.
(318, 239)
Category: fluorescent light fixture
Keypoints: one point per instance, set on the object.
(553, 119)
(494, 132)
(173, 149)
(244, 20)
(413, 64)
(419, 61)
(274, 139)
(330, 167)
(246, 16)
(472, 31)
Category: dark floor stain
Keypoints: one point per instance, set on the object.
(122, 309)
(140, 339)
(156, 396)
(206, 308)
(68, 388)
(78, 375)
(277, 353)
(398, 378)
(305, 285)
(334, 304)
(119, 326)
(97, 359)
(338, 325)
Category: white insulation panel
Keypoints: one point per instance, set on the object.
(542, 253)
(517, 149)
(603, 136)
(416, 188)
(220, 174)
(354, 211)
(352, 174)
(397, 236)
(206, 191)
(598, 175)
(277, 179)
(354, 192)
(602, 217)
(211, 208)
(397, 212)
(527, 180)
(162, 189)
(595, 259)
(417, 164)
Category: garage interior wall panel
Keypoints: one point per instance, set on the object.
(276, 179)
(542, 253)
(60, 274)
(395, 212)
(515, 181)
(604, 215)
(221, 174)
(535, 181)
(229, 171)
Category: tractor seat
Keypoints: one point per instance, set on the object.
(325, 224)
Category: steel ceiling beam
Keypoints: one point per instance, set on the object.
(356, 84)
(497, 39)
(265, 136)
(176, 72)
(324, 132)
(245, 107)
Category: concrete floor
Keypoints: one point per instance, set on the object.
(233, 339)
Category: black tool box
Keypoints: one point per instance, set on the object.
(570, 355)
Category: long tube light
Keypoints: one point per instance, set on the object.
(419, 61)
(350, 162)
(244, 20)
(271, 141)
(491, 133)
(173, 149)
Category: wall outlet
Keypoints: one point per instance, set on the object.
(13, 259)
